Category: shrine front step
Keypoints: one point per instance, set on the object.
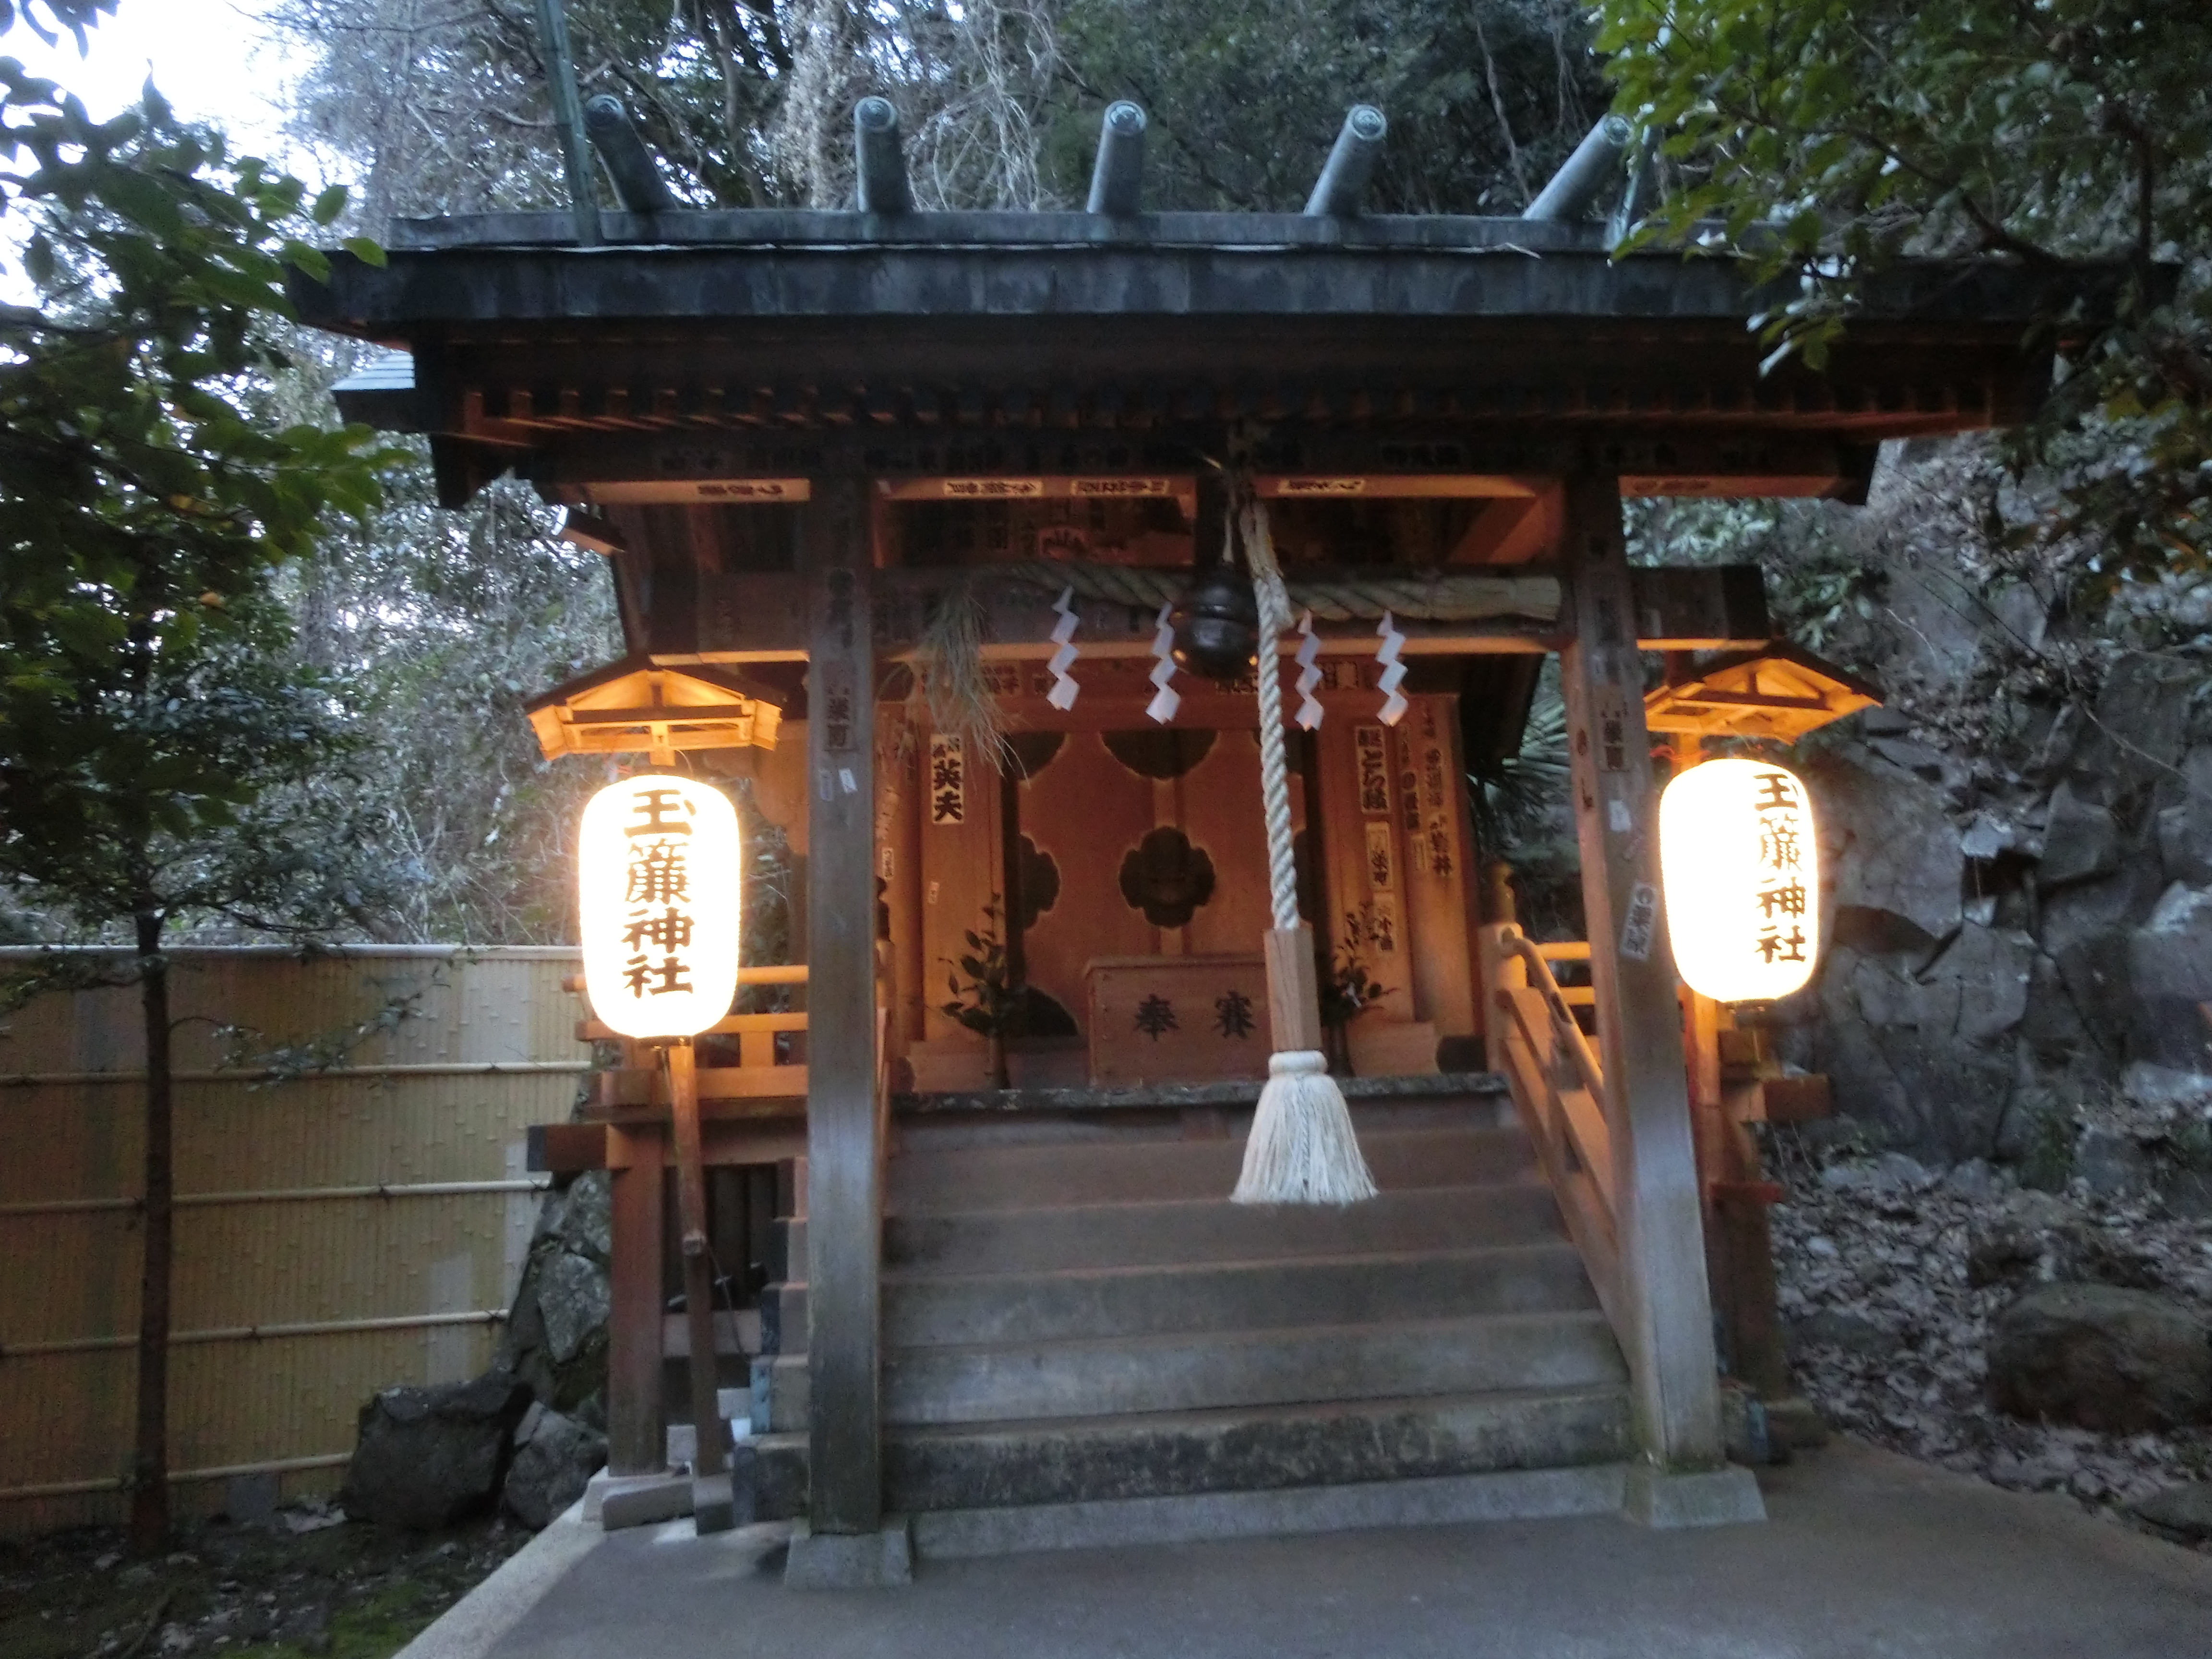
(1090, 1237)
(1154, 1454)
(1202, 1371)
(974, 1180)
(1076, 1318)
(926, 1309)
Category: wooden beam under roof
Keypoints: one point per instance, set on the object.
(725, 618)
(734, 469)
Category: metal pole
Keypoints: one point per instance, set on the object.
(561, 81)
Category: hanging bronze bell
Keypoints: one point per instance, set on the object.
(1217, 625)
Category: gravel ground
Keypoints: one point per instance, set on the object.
(308, 1581)
(1889, 1274)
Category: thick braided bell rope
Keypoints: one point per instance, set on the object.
(1274, 764)
(1302, 1148)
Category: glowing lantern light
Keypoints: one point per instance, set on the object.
(1742, 873)
(657, 863)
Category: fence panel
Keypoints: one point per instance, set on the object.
(312, 1267)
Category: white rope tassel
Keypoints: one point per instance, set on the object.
(1302, 1149)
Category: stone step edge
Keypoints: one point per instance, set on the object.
(1436, 1500)
(1252, 1336)
(897, 1278)
(1199, 1417)
(1470, 1190)
(1224, 1146)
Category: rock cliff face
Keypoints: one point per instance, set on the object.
(2020, 842)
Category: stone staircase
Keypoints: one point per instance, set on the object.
(1084, 1341)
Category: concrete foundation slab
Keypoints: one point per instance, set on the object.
(1864, 1553)
(833, 1561)
(1702, 1497)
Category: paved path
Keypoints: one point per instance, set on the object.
(1867, 1556)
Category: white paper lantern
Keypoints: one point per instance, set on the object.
(657, 862)
(1741, 867)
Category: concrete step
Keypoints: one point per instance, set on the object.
(1202, 1371)
(931, 1310)
(1041, 1174)
(1191, 1517)
(1153, 1456)
(1187, 1231)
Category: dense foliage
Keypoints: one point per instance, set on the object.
(1484, 99)
(163, 753)
(148, 705)
(442, 106)
(1821, 139)
(443, 625)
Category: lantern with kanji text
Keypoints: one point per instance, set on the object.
(1741, 865)
(657, 862)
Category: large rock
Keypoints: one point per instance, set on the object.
(554, 1457)
(555, 1339)
(2183, 1511)
(2170, 972)
(1889, 841)
(587, 1226)
(2118, 1361)
(2185, 828)
(1926, 1054)
(574, 1299)
(426, 1457)
(2080, 839)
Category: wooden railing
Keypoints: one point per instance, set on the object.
(755, 1076)
(1560, 1092)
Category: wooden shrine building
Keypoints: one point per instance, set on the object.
(817, 447)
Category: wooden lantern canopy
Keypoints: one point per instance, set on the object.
(634, 706)
(1778, 692)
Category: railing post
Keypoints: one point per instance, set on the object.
(1669, 1339)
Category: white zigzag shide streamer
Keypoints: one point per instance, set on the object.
(1166, 699)
(1309, 715)
(1064, 688)
(1394, 671)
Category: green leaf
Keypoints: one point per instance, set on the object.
(369, 252)
(328, 204)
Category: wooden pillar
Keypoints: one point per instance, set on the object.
(636, 1437)
(844, 1150)
(1669, 1339)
